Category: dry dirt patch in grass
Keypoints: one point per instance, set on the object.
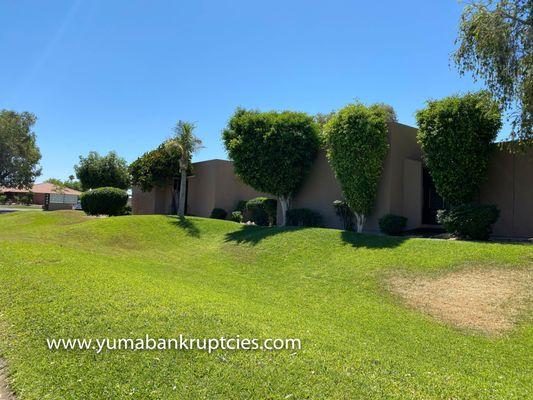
(490, 301)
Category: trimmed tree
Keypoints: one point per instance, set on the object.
(456, 135)
(356, 140)
(272, 151)
(156, 168)
(96, 171)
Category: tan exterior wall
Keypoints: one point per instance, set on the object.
(214, 184)
(321, 188)
(510, 187)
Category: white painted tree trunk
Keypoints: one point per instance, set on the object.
(183, 192)
(285, 204)
(360, 221)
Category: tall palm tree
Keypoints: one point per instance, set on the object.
(187, 144)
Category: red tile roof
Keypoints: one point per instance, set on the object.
(42, 188)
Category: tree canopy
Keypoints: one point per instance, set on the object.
(19, 154)
(455, 135)
(496, 44)
(156, 167)
(96, 171)
(356, 140)
(272, 151)
(70, 183)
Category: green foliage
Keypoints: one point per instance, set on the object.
(104, 201)
(70, 183)
(469, 221)
(236, 216)
(455, 134)
(3, 198)
(344, 212)
(95, 171)
(241, 205)
(262, 210)
(156, 167)
(187, 144)
(218, 213)
(303, 217)
(272, 151)
(356, 141)
(495, 44)
(19, 154)
(391, 224)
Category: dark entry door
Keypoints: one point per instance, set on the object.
(432, 202)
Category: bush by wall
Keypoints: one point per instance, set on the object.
(469, 221)
(343, 211)
(104, 201)
(272, 151)
(236, 216)
(262, 210)
(303, 217)
(455, 135)
(356, 140)
(391, 224)
(218, 213)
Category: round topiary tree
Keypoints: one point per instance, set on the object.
(356, 140)
(104, 201)
(456, 135)
(272, 151)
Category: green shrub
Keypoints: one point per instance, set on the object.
(303, 217)
(241, 206)
(262, 210)
(356, 142)
(104, 201)
(218, 213)
(344, 212)
(456, 135)
(3, 198)
(469, 221)
(391, 224)
(126, 210)
(273, 152)
(236, 216)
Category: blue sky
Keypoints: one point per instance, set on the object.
(116, 75)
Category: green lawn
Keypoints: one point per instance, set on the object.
(65, 275)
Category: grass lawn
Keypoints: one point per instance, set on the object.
(34, 207)
(66, 275)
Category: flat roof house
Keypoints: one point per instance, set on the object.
(405, 189)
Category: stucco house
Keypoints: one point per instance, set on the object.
(405, 189)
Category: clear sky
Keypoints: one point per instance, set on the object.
(116, 75)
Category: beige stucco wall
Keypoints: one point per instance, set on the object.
(321, 187)
(214, 184)
(510, 187)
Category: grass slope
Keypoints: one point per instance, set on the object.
(64, 275)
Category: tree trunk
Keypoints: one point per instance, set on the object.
(285, 204)
(360, 221)
(183, 193)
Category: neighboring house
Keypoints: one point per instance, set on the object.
(405, 189)
(46, 194)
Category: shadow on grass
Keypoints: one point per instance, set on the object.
(185, 224)
(254, 234)
(368, 241)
